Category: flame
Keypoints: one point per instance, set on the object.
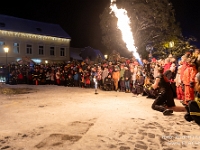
(124, 25)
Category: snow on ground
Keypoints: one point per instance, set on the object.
(52, 117)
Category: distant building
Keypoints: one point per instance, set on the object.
(75, 54)
(88, 52)
(91, 53)
(32, 40)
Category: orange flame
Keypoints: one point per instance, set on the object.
(124, 25)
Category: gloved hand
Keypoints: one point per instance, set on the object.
(192, 84)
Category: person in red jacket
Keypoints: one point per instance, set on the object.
(167, 64)
(189, 81)
(183, 67)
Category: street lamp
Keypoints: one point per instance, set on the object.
(46, 62)
(171, 45)
(6, 49)
(106, 57)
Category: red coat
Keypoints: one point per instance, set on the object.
(189, 75)
(167, 67)
(184, 66)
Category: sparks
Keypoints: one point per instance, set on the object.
(124, 25)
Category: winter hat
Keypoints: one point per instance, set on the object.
(198, 76)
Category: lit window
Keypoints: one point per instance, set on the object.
(2, 46)
(41, 50)
(62, 51)
(2, 43)
(16, 48)
(52, 53)
(29, 49)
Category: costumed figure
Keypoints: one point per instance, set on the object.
(167, 64)
(179, 92)
(182, 69)
(149, 91)
(165, 95)
(139, 84)
(188, 81)
(193, 107)
(170, 74)
(108, 83)
(115, 76)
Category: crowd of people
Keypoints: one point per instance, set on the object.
(158, 79)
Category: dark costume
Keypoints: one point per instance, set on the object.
(193, 109)
(171, 76)
(127, 78)
(108, 83)
(138, 85)
(13, 78)
(35, 77)
(164, 97)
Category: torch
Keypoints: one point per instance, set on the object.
(95, 84)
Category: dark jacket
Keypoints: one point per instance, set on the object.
(127, 75)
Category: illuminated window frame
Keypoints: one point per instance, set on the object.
(41, 50)
(28, 49)
(62, 51)
(52, 51)
(16, 48)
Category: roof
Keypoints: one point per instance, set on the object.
(15, 24)
(75, 53)
(91, 53)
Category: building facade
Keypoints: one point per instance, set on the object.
(37, 41)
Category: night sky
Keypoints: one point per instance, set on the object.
(80, 18)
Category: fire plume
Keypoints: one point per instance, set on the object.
(124, 25)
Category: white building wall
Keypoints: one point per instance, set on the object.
(35, 41)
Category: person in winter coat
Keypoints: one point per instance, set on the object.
(139, 84)
(193, 107)
(76, 79)
(115, 76)
(104, 73)
(127, 78)
(179, 91)
(108, 83)
(167, 64)
(188, 81)
(121, 78)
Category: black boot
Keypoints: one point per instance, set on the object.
(188, 117)
(187, 109)
(167, 112)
